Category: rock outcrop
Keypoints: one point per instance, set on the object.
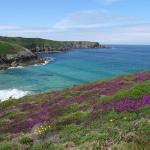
(22, 58)
(70, 45)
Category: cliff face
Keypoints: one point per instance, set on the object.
(64, 46)
(37, 44)
(21, 58)
(71, 45)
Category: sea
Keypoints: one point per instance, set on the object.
(74, 67)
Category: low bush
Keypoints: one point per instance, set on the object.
(26, 140)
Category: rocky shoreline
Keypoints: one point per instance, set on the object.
(25, 51)
(66, 46)
(22, 58)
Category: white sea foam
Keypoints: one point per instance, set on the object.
(45, 62)
(12, 93)
(15, 67)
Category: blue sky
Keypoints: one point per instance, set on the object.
(105, 21)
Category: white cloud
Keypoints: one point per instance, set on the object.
(92, 19)
(20, 29)
(92, 25)
(11, 30)
(8, 27)
(124, 34)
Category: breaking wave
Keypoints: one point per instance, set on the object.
(15, 67)
(12, 93)
(45, 62)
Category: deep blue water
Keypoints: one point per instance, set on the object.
(76, 67)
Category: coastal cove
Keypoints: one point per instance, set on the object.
(72, 68)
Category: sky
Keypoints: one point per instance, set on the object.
(105, 21)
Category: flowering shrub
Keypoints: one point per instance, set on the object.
(124, 105)
(41, 129)
(47, 107)
(142, 76)
(66, 116)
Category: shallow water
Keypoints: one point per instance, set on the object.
(72, 68)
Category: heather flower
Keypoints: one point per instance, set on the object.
(125, 104)
(56, 104)
(142, 76)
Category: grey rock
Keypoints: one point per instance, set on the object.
(22, 58)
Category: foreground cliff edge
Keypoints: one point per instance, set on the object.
(111, 114)
(17, 51)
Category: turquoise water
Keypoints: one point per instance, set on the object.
(76, 67)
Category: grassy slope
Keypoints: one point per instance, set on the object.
(112, 114)
(9, 48)
(13, 44)
(28, 42)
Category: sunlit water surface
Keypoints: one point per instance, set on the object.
(72, 68)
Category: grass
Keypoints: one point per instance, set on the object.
(8, 103)
(26, 141)
(77, 116)
(9, 48)
(71, 122)
(29, 42)
(14, 44)
(136, 92)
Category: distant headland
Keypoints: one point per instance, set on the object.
(18, 51)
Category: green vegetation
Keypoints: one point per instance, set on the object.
(9, 48)
(26, 140)
(15, 44)
(30, 42)
(73, 117)
(77, 118)
(136, 92)
(8, 103)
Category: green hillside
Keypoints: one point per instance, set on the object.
(38, 44)
(104, 115)
(31, 42)
(9, 48)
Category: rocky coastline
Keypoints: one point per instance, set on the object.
(22, 58)
(25, 51)
(66, 46)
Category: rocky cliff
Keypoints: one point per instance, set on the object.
(21, 58)
(64, 46)
(82, 44)
(37, 44)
